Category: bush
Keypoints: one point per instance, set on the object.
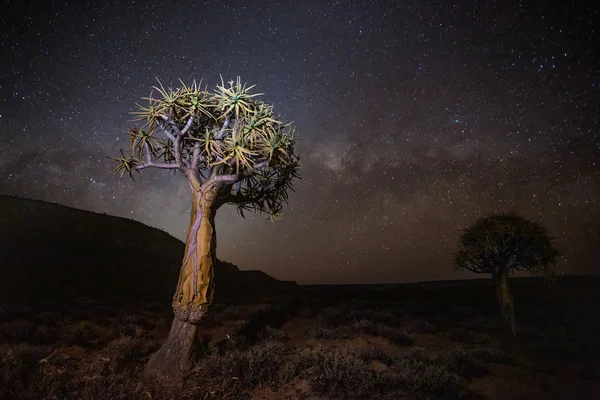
(241, 370)
(492, 355)
(461, 335)
(373, 353)
(384, 317)
(432, 374)
(378, 329)
(341, 373)
(269, 333)
(20, 367)
(17, 331)
(79, 333)
(330, 332)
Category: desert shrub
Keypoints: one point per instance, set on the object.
(567, 331)
(464, 363)
(398, 394)
(11, 311)
(418, 326)
(385, 317)
(374, 353)
(131, 330)
(121, 354)
(240, 370)
(432, 381)
(337, 372)
(419, 308)
(441, 322)
(461, 335)
(348, 374)
(459, 361)
(47, 334)
(492, 355)
(334, 316)
(561, 348)
(134, 324)
(330, 332)
(79, 333)
(17, 331)
(342, 373)
(440, 375)
(269, 333)
(155, 307)
(369, 304)
(238, 312)
(106, 310)
(304, 312)
(49, 318)
(378, 329)
(478, 323)
(19, 368)
(364, 326)
(463, 312)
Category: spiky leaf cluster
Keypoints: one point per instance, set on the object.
(226, 132)
(507, 241)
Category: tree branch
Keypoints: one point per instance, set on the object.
(170, 122)
(175, 138)
(239, 198)
(196, 156)
(223, 128)
(229, 178)
(188, 125)
(235, 178)
(152, 164)
(260, 166)
(512, 262)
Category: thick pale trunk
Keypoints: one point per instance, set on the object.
(194, 291)
(505, 300)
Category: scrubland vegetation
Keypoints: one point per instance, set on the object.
(314, 345)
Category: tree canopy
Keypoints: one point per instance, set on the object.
(225, 139)
(507, 241)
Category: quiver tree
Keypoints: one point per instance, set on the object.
(232, 150)
(501, 244)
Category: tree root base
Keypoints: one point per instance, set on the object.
(177, 355)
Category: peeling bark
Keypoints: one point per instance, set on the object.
(505, 300)
(194, 292)
(195, 287)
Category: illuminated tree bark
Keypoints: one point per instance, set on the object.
(195, 289)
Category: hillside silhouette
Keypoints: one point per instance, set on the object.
(51, 251)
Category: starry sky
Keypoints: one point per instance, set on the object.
(413, 118)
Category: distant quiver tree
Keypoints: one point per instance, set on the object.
(232, 150)
(502, 243)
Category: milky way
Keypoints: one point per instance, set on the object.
(412, 119)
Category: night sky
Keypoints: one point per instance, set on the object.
(412, 119)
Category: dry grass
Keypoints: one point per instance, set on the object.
(359, 350)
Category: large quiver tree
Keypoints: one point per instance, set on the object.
(501, 244)
(232, 150)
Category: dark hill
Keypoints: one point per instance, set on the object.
(50, 251)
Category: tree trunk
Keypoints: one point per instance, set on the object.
(505, 300)
(194, 291)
